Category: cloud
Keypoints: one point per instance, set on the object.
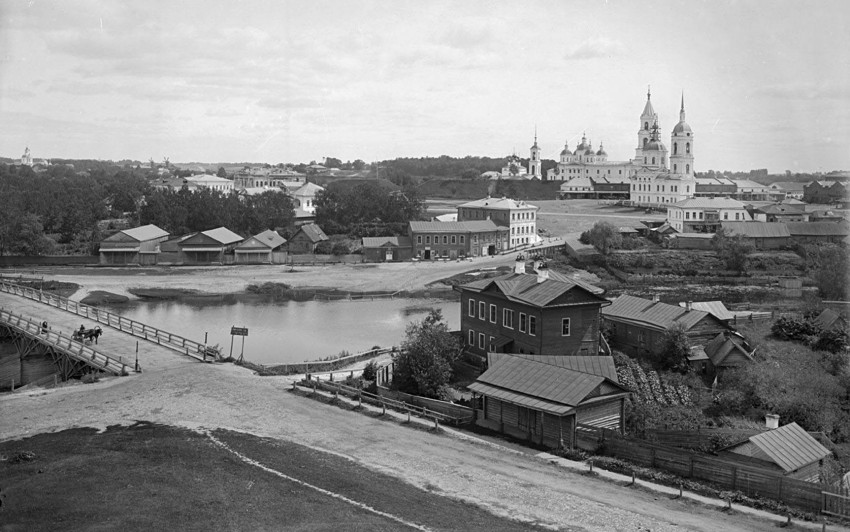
(805, 91)
(595, 47)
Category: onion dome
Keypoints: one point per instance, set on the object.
(682, 126)
(601, 151)
(589, 151)
(654, 145)
(566, 151)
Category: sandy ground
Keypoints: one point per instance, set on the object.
(179, 391)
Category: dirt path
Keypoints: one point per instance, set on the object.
(176, 391)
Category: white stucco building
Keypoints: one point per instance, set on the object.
(704, 215)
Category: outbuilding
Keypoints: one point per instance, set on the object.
(387, 249)
(209, 247)
(306, 239)
(265, 248)
(139, 245)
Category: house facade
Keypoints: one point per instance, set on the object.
(387, 249)
(704, 215)
(637, 326)
(264, 248)
(530, 314)
(518, 216)
(140, 245)
(212, 182)
(209, 247)
(825, 192)
(544, 399)
(452, 240)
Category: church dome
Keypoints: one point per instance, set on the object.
(589, 151)
(566, 151)
(682, 127)
(654, 145)
(601, 151)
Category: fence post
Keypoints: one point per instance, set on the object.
(734, 476)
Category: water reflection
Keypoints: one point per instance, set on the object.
(290, 331)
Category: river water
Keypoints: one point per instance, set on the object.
(290, 331)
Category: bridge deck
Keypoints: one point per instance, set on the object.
(116, 344)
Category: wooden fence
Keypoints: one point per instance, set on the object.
(726, 474)
(328, 367)
(449, 409)
(700, 438)
(175, 342)
(377, 400)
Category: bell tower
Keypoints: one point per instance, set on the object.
(534, 163)
(647, 119)
(682, 146)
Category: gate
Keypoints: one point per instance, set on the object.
(836, 504)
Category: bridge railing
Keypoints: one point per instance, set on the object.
(65, 344)
(152, 334)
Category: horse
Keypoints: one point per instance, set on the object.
(87, 335)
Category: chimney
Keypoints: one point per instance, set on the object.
(542, 273)
(519, 266)
(771, 421)
(656, 298)
(689, 306)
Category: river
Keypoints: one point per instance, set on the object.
(290, 331)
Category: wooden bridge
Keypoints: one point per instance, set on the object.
(38, 354)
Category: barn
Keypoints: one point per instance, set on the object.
(139, 245)
(209, 247)
(545, 399)
(387, 248)
(265, 248)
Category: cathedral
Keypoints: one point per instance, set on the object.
(655, 174)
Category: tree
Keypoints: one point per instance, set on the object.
(425, 363)
(470, 173)
(221, 172)
(358, 164)
(675, 349)
(603, 236)
(734, 250)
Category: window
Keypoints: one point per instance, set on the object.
(490, 347)
(532, 325)
(481, 340)
(736, 215)
(508, 318)
(725, 215)
(687, 169)
(428, 239)
(675, 148)
(462, 239)
(492, 313)
(454, 239)
(471, 338)
(641, 338)
(482, 308)
(472, 307)
(687, 147)
(687, 215)
(565, 327)
(522, 320)
(445, 239)
(418, 239)
(675, 168)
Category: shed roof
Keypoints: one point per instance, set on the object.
(525, 288)
(818, 228)
(790, 446)
(145, 232)
(756, 229)
(652, 313)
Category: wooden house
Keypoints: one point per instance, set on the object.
(808, 232)
(139, 245)
(306, 239)
(638, 325)
(545, 399)
(209, 247)
(829, 319)
(451, 240)
(789, 450)
(387, 249)
(530, 314)
(263, 248)
(727, 350)
(763, 235)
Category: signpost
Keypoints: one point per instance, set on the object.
(238, 331)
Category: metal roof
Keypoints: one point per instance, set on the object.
(652, 313)
(756, 229)
(818, 228)
(223, 235)
(380, 241)
(790, 446)
(720, 347)
(709, 203)
(499, 203)
(602, 366)
(525, 288)
(715, 308)
(145, 232)
(308, 189)
(538, 381)
(508, 396)
(264, 241)
(472, 226)
(313, 232)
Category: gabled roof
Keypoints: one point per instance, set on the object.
(722, 345)
(472, 226)
(790, 447)
(818, 228)
(386, 241)
(580, 182)
(654, 314)
(715, 308)
(783, 208)
(265, 241)
(537, 385)
(789, 186)
(223, 235)
(747, 183)
(499, 203)
(525, 288)
(602, 366)
(313, 232)
(756, 229)
(145, 232)
(308, 189)
(828, 318)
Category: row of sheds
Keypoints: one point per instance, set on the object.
(770, 235)
(149, 245)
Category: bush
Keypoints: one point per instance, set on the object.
(370, 372)
(340, 248)
(324, 247)
(787, 328)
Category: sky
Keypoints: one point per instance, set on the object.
(766, 84)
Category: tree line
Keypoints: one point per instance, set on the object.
(366, 209)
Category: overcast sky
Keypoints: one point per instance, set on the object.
(766, 83)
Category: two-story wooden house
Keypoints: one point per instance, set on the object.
(531, 314)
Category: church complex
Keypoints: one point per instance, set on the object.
(655, 175)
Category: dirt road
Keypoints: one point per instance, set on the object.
(176, 391)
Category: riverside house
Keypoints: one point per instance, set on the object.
(139, 245)
(530, 314)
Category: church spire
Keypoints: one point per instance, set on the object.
(682, 111)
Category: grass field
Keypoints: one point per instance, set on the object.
(156, 477)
